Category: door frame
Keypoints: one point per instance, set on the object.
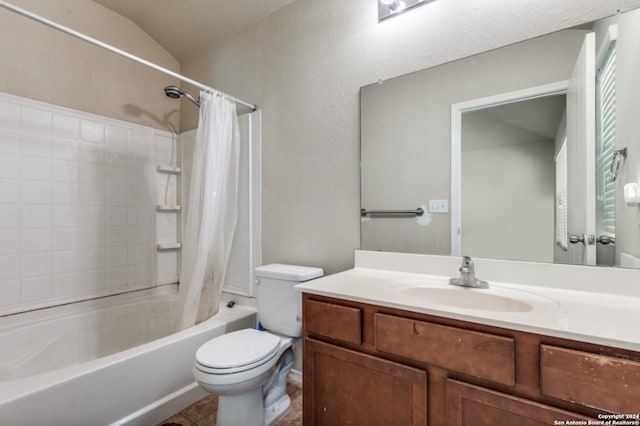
(551, 89)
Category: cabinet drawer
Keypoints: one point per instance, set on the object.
(333, 321)
(597, 381)
(481, 355)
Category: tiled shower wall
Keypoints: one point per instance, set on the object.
(78, 205)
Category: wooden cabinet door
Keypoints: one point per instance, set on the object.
(469, 405)
(343, 387)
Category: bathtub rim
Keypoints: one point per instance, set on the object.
(34, 316)
(12, 390)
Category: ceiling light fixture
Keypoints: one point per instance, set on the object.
(389, 8)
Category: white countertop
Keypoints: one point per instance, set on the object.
(589, 316)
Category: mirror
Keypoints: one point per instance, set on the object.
(510, 154)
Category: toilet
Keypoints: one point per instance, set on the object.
(248, 368)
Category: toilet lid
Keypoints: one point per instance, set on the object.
(237, 349)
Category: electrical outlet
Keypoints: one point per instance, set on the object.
(438, 206)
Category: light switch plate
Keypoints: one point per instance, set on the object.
(438, 206)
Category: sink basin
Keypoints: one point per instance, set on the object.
(467, 298)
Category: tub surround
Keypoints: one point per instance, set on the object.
(543, 358)
(594, 305)
(78, 214)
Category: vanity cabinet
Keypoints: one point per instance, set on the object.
(474, 405)
(351, 388)
(482, 355)
(372, 365)
(572, 375)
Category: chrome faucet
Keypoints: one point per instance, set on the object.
(468, 276)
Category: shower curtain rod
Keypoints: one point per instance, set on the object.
(117, 51)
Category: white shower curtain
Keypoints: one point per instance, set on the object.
(211, 211)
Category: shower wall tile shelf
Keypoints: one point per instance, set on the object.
(169, 246)
(169, 169)
(169, 208)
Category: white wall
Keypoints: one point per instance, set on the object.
(304, 66)
(560, 254)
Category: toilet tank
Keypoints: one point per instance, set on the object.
(279, 304)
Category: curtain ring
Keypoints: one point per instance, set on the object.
(616, 163)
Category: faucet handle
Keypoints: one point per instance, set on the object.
(468, 275)
(467, 265)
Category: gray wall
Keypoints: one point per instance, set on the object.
(627, 119)
(304, 66)
(508, 191)
(43, 64)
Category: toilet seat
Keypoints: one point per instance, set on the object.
(238, 351)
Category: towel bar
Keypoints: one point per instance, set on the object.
(418, 212)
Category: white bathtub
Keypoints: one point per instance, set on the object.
(68, 366)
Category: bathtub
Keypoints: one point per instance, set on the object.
(69, 365)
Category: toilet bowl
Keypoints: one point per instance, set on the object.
(248, 368)
(239, 361)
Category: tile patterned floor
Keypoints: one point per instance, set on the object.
(203, 412)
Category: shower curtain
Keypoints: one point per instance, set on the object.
(211, 211)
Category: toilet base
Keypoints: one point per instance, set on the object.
(275, 411)
(241, 410)
(248, 410)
